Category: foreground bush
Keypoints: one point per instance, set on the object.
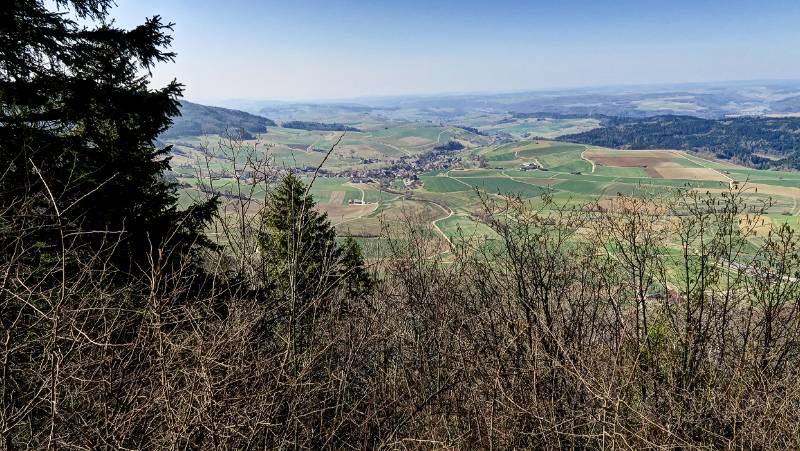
(547, 336)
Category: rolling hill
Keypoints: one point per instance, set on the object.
(197, 119)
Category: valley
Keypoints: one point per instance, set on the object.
(438, 175)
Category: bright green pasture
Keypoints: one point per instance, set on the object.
(443, 184)
(504, 185)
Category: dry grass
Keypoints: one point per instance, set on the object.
(414, 141)
(680, 173)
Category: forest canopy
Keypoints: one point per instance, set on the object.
(196, 119)
(742, 139)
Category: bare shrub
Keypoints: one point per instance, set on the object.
(571, 327)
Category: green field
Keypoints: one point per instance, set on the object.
(446, 202)
(544, 127)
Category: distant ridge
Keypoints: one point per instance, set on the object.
(319, 126)
(197, 119)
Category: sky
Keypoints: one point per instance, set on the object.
(336, 49)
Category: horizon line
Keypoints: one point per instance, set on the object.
(373, 97)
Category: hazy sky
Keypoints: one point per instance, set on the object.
(322, 49)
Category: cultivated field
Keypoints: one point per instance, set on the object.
(447, 202)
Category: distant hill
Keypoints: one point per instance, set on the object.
(742, 139)
(787, 105)
(196, 119)
(319, 126)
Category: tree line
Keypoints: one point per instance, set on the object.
(740, 139)
(319, 126)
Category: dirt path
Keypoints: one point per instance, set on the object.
(459, 181)
(438, 229)
(439, 138)
(449, 212)
(354, 218)
(395, 147)
(583, 157)
(360, 189)
(311, 146)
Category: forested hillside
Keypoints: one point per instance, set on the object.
(319, 126)
(196, 119)
(745, 139)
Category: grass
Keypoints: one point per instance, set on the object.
(459, 226)
(548, 128)
(582, 186)
(613, 171)
(504, 185)
(442, 184)
(568, 179)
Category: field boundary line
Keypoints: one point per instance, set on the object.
(459, 181)
(700, 162)
(408, 154)
(366, 213)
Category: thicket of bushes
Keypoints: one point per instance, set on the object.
(573, 329)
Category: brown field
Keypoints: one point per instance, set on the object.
(774, 190)
(397, 213)
(651, 160)
(339, 213)
(656, 163)
(337, 198)
(414, 141)
(687, 173)
(758, 225)
(624, 204)
(633, 161)
(768, 190)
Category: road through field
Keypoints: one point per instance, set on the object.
(584, 158)
(449, 212)
(361, 190)
(439, 138)
(459, 181)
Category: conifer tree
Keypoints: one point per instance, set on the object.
(78, 126)
(302, 256)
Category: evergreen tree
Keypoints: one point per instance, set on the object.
(78, 125)
(302, 256)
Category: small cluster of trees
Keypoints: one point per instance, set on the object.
(244, 322)
(451, 146)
